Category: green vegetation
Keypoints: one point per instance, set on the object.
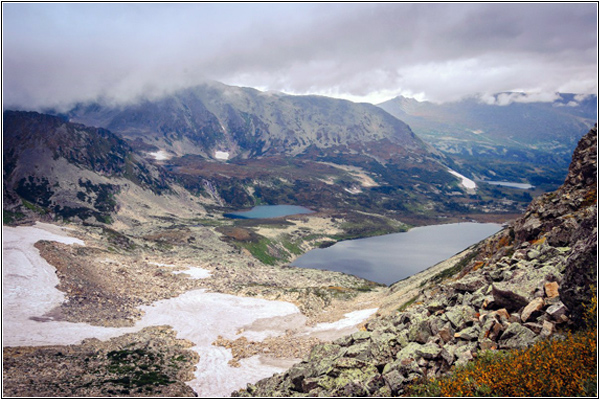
(292, 246)
(10, 217)
(118, 240)
(136, 368)
(360, 225)
(404, 306)
(35, 208)
(261, 250)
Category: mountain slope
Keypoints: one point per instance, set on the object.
(64, 170)
(275, 145)
(527, 283)
(490, 140)
(245, 122)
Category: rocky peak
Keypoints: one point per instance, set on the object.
(583, 171)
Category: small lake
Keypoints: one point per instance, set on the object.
(510, 184)
(389, 258)
(260, 212)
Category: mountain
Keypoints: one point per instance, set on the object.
(530, 282)
(246, 123)
(479, 135)
(63, 170)
(244, 147)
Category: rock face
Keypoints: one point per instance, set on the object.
(524, 284)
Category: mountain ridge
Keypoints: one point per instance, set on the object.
(248, 123)
(513, 139)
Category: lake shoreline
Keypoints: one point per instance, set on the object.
(388, 258)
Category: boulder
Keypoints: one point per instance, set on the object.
(361, 351)
(581, 273)
(535, 327)
(419, 331)
(446, 333)
(464, 357)
(516, 336)
(437, 305)
(547, 329)
(469, 334)
(461, 316)
(532, 309)
(414, 351)
(394, 380)
(551, 289)
(507, 299)
(558, 312)
(470, 283)
(487, 344)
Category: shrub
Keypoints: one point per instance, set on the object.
(562, 367)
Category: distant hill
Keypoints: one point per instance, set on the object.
(479, 134)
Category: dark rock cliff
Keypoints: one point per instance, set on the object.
(526, 283)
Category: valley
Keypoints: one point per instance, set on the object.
(133, 225)
(507, 136)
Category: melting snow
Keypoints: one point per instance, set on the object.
(222, 155)
(466, 182)
(331, 330)
(29, 290)
(160, 155)
(194, 272)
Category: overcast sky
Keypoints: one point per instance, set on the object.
(57, 54)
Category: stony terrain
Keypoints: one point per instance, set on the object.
(150, 362)
(522, 285)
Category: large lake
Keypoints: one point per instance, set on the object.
(390, 258)
(260, 212)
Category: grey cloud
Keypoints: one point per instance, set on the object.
(443, 51)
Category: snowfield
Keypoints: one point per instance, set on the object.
(29, 291)
(465, 182)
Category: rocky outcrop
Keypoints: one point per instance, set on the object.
(568, 217)
(524, 284)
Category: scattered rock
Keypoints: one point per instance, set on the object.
(532, 309)
(516, 336)
(551, 289)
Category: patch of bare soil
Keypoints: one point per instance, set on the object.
(287, 347)
(106, 289)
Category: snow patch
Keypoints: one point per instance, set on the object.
(194, 272)
(160, 155)
(466, 182)
(29, 290)
(351, 320)
(222, 155)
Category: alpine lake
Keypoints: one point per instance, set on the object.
(388, 258)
